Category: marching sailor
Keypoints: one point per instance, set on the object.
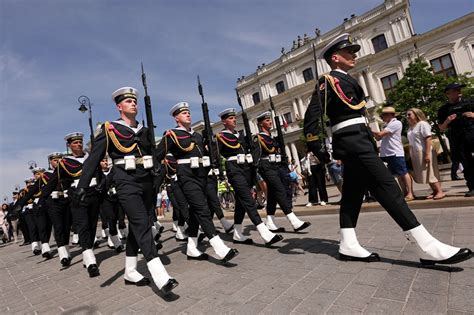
(363, 169)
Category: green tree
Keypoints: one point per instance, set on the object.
(422, 89)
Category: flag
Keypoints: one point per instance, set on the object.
(284, 123)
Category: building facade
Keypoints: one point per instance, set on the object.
(388, 44)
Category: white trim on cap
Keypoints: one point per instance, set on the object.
(331, 43)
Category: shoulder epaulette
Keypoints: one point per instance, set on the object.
(334, 83)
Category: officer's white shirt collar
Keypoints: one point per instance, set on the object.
(341, 71)
(123, 123)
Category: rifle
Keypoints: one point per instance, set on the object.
(248, 136)
(281, 140)
(323, 127)
(150, 125)
(209, 137)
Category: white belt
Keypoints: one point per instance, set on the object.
(130, 162)
(187, 161)
(349, 122)
(56, 194)
(122, 161)
(272, 158)
(92, 184)
(241, 158)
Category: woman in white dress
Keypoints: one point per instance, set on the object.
(423, 157)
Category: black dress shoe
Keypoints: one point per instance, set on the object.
(303, 226)
(455, 178)
(371, 258)
(119, 249)
(93, 270)
(229, 230)
(248, 241)
(159, 246)
(231, 254)
(278, 230)
(143, 282)
(274, 240)
(169, 286)
(96, 244)
(36, 252)
(470, 193)
(66, 262)
(47, 255)
(203, 256)
(462, 255)
(161, 229)
(157, 237)
(201, 237)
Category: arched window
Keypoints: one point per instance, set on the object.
(280, 87)
(308, 74)
(379, 43)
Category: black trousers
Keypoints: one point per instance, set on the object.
(180, 205)
(239, 176)
(278, 187)
(137, 197)
(32, 227)
(23, 226)
(39, 226)
(103, 220)
(366, 171)
(465, 154)
(60, 215)
(317, 183)
(212, 197)
(84, 218)
(194, 189)
(109, 210)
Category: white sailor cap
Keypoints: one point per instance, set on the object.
(70, 137)
(178, 108)
(338, 43)
(55, 155)
(264, 116)
(29, 180)
(38, 170)
(227, 113)
(123, 93)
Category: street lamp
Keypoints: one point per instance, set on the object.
(84, 100)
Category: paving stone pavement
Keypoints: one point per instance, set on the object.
(299, 276)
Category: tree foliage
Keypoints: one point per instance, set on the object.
(422, 89)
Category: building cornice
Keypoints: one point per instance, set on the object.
(351, 25)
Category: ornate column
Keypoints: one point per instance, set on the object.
(288, 151)
(301, 107)
(295, 155)
(295, 109)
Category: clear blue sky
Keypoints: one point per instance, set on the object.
(52, 51)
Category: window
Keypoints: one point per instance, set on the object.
(379, 43)
(388, 83)
(256, 98)
(280, 86)
(308, 74)
(288, 118)
(443, 66)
